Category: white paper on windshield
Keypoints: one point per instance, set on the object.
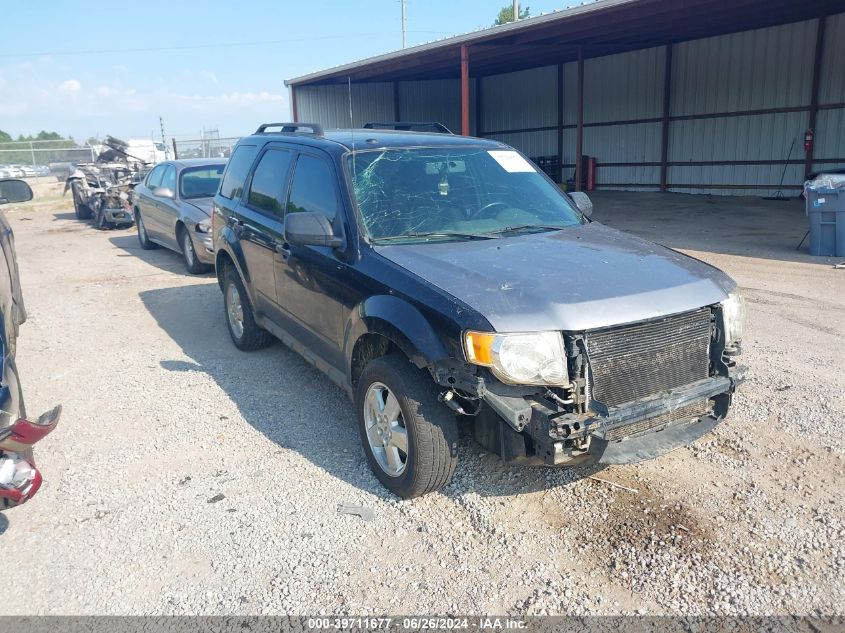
(511, 161)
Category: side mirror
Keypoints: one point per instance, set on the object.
(13, 190)
(163, 192)
(309, 228)
(583, 202)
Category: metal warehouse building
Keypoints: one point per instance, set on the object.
(694, 96)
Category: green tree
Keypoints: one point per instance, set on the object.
(506, 15)
(5, 137)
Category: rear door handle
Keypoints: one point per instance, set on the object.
(283, 249)
(237, 225)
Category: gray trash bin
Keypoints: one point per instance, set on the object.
(826, 211)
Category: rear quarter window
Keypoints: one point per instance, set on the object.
(233, 181)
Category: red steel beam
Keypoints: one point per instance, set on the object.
(464, 90)
(579, 136)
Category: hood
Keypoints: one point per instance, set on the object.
(203, 204)
(579, 278)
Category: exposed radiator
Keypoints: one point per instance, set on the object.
(633, 361)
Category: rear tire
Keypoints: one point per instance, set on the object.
(80, 209)
(189, 253)
(427, 428)
(143, 238)
(240, 319)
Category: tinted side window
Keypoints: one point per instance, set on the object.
(168, 180)
(154, 179)
(269, 180)
(313, 188)
(233, 182)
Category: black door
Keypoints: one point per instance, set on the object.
(261, 216)
(308, 278)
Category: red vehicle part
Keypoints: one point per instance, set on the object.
(19, 478)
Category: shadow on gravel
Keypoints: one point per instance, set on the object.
(163, 258)
(298, 408)
(4, 524)
(65, 216)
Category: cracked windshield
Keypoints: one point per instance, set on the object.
(435, 193)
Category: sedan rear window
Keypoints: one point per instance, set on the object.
(454, 193)
(200, 182)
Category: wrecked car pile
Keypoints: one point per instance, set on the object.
(102, 190)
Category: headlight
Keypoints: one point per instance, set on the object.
(204, 226)
(524, 359)
(733, 312)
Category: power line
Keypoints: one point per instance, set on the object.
(195, 46)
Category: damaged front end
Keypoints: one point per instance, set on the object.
(634, 392)
(19, 477)
(103, 190)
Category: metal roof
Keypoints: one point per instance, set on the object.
(599, 28)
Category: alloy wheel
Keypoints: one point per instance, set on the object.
(235, 310)
(188, 249)
(386, 432)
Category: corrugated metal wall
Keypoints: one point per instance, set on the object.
(329, 105)
(434, 100)
(755, 70)
(522, 101)
(713, 82)
(622, 88)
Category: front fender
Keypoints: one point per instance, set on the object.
(398, 321)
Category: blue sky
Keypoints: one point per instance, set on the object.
(225, 67)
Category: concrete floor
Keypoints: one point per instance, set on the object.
(731, 225)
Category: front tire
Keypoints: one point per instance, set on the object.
(189, 253)
(240, 319)
(409, 437)
(143, 238)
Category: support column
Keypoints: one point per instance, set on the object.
(293, 111)
(667, 107)
(814, 96)
(397, 111)
(464, 90)
(560, 122)
(579, 138)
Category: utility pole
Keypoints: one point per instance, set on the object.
(164, 139)
(515, 10)
(404, 22)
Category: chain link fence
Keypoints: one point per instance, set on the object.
(215, 147)
(42, 159)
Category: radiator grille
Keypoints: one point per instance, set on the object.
(634, 361)
(688, 412)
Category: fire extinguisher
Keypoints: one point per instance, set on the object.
(808, 141)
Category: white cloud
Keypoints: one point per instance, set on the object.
(210, 76)
(110, 91)
(234, 98)
(70, 86)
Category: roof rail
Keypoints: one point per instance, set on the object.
(292, 128)
(408, 126)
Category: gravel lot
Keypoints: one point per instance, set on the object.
(188, 477)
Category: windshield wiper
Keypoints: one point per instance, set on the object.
(421, 234)
(525, 227)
